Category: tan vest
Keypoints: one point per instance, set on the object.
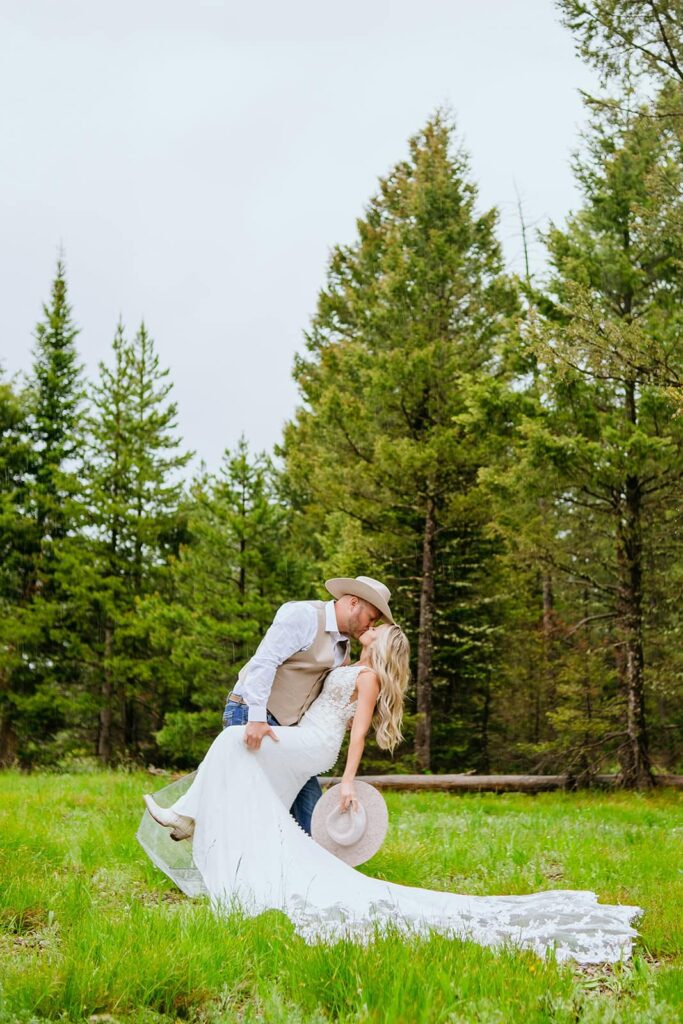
(299, 680)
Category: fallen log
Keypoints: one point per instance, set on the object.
(485, 783)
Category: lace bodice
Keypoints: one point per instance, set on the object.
(333, 706)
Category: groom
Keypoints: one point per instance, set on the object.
(306, 640)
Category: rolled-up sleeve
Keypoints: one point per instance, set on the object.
(293, 629)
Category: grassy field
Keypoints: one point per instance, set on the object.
(90, 931)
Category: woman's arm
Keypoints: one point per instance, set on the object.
(367, 684)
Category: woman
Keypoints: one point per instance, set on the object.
(248, 853)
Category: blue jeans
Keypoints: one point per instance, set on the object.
(302, 808)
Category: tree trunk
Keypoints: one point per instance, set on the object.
(484, 759)
(636, 770)
(424, 648)
(8, 742)
(104, 742)
(8, 737)
(544, 678)
(243, 547)
(243, 572)
(548, 617)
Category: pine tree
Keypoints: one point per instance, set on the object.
(56, 388)
(238, 565)
(41, 675)
(18, 541)
(638, 48)
(609, 443)
(109, 489)
(618, 36)
(412, 313)
(134, 528)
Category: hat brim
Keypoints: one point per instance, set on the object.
(341, 585)
(377, 817)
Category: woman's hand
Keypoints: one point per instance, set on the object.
(368, 692)
(347, 796)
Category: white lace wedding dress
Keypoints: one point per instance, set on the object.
(248, 853)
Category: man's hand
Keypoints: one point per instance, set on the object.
(254, 733)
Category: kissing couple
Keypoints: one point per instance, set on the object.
(226, 831)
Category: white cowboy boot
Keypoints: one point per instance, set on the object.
(182, 827)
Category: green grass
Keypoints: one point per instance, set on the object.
(89, 930)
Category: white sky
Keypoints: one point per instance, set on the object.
(198, 160)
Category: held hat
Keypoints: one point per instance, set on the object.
(354, 835)
(372, 591)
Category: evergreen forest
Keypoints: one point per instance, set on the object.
(503, 449)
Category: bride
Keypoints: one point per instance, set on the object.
(248, 853)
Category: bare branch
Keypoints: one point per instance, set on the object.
(589, 618)
(673, 64)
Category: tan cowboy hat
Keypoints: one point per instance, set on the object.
(354, 835)
(363, 586)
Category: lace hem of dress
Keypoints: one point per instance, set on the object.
(565, 928)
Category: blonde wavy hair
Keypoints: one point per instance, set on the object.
(390, 659)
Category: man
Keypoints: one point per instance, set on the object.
(306, 640)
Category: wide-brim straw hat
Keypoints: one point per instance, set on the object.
(353, 835)
(370, 590)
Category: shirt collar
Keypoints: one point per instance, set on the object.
(331, 622)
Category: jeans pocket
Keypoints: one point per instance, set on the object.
(235, 714)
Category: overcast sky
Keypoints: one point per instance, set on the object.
(198, 160)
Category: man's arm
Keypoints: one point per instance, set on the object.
(293, 629)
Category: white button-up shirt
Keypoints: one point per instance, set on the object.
(293, 629)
